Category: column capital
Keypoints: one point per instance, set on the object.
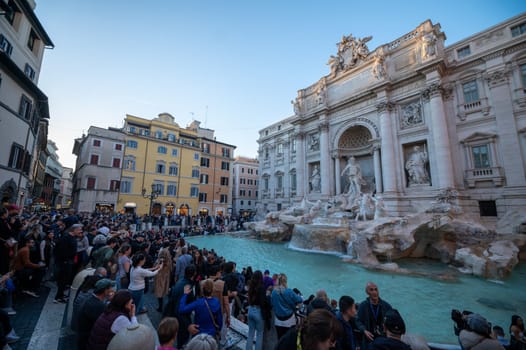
(432, 90)
(385, 106)
(323, 125)
(300, 135)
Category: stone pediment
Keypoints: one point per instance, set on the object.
(477, 136)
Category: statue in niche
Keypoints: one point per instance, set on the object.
(296, 105)
(411, 115)
(354, 177)
(416, 167)
(315, 179)
(379, 65)
(321, 92)
(314, 143)
(428, 45)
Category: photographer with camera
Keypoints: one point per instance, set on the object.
(474, 331)
(371, 313)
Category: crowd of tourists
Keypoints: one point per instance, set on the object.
(198, 293)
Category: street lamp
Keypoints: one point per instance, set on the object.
(152, 195)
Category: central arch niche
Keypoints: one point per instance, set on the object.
(356, 142)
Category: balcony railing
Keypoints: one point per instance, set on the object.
(494, 174)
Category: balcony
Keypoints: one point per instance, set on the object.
(473, 107)
(494, 174)
(279, 193)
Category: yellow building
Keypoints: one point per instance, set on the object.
(160, 171)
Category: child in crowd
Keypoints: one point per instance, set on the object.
(167, 333)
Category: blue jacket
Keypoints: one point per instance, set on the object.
(284, 301)
(202, 316)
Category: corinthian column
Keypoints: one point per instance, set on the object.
(388, 147)
(506, 127)
(324, 157)
(442, 146)
(300, 164)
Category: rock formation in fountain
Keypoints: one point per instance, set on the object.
(359, 228)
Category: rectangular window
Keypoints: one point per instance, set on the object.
(226, 152)
(202, 197)
(196, 156)
(174, 152)
(518, 29)
(161, 150)
(173, 170)
(223, 198)
(471, 92)
(204, 179)
(171, 189)
(280, 149)
(280, 182)
(205, 162)
(225, 165)
(224, 181)
(481, 156)
(242, 170)
(29, 71)
(25, 108)
(90, 184)
(241, 202)
(126, 186)
(256, 194)
(293, 146)
(132, 144)
(293, 181)
(118, 146)
(19, 159)
(5, 45)
(194, 191)
(206, 147)
(242, 193)
(158, 188)
(195, 172)
(250, 193)
(94, 159)
(31, 40)
(265, 183)
(116, 162)
(523, 75)
(159, 168)
(96, 143)
(114, 185)
(463, 52)
(487, 208)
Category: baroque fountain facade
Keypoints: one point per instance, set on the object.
(414, 149)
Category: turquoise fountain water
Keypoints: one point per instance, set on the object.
(425, 303)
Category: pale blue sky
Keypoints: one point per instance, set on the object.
(245, 60)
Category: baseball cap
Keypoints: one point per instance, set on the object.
(394, 322)
(103, 284)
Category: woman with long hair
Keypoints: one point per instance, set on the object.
(161, 283)
(517, 337)
(257, 307)
(284, 302)
(137, 276)
(122, 279)
(119, 314)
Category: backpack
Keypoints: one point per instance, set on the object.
(240, 283)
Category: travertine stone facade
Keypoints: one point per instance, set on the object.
(418, 117)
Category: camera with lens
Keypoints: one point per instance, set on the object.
(460, 320)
